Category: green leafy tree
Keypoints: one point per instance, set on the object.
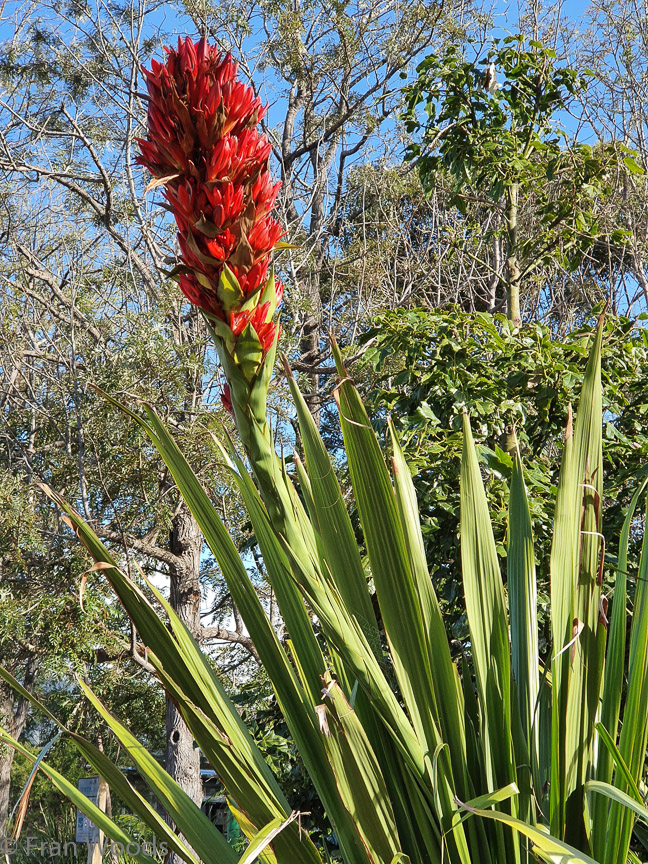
(494, 125)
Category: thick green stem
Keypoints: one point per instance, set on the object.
(249, 405)
(513, 271)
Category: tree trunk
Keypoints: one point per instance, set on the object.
(13, 717)
(6, 761)
(309, 349)
(512, 261)
(182, 759)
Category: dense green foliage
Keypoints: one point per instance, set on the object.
(490, 141)
(434, 365)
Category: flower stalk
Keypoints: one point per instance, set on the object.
(204, 148)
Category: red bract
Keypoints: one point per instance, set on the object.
(264, 329)
(204, 148)
(226, 400)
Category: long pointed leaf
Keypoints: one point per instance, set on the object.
(523, 601)
(200, 832)
(113, 776)
(399, 603)
(634, 732)
(575, 598)
(486, 613)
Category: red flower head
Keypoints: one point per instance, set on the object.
(204, 148)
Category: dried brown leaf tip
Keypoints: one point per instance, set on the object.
(569, 428)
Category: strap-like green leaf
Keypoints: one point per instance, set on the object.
(113, 776)
(263, 839)
(397, 595)
(186, 672)
(613, 681)
(550, 848)
(486, 613)
(638, 808)
(578, 640)
(634, 731)
(201, 833)
(619, 763)
(523, 602)
(360, 781)
(289, 694)
(447, 687)
(339, 546)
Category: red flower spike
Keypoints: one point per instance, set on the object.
(204, 145)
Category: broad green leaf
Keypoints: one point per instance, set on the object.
(632, 166)
(229, 290)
